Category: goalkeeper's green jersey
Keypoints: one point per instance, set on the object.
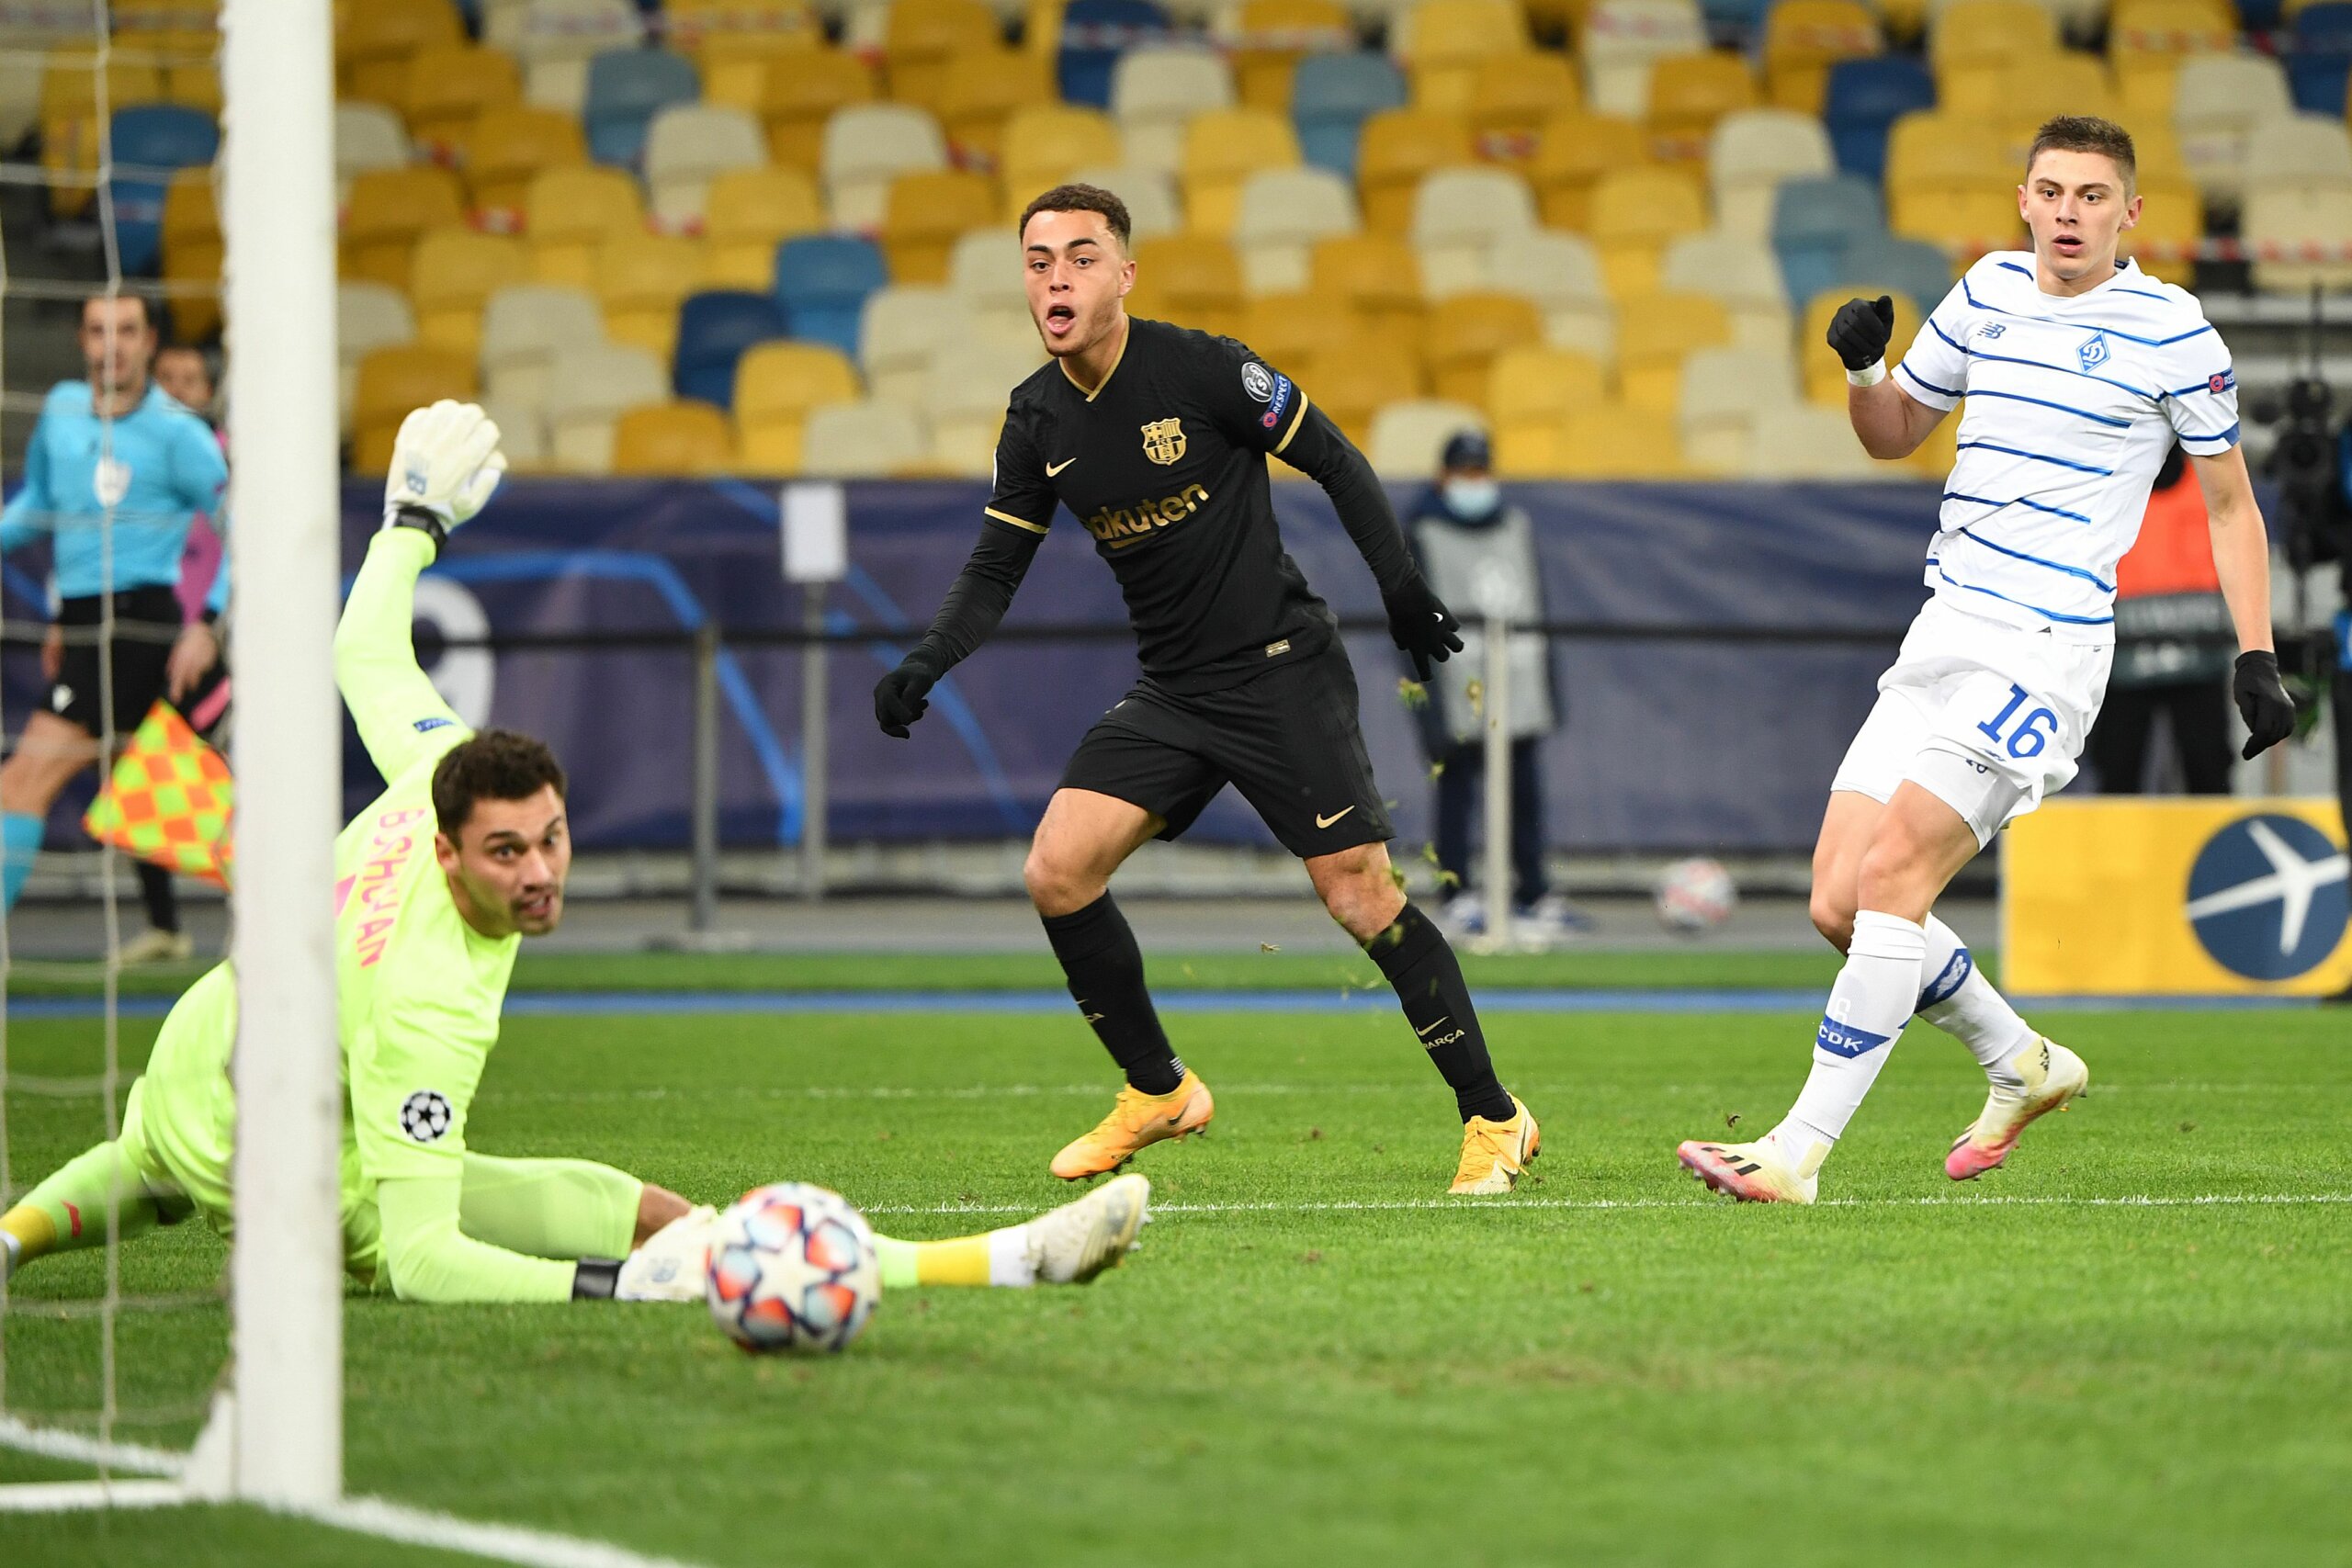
(418, 994)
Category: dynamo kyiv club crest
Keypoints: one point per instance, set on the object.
(2093, 354)
(2267, 897)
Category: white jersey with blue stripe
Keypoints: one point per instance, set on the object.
(2071, 404)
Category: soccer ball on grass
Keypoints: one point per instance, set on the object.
(792, 1268)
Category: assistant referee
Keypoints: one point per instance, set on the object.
(1155, 438)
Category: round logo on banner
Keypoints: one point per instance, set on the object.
(2268, 898)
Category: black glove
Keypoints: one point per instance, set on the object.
(2263, 702)
(899, 697)
(1422, 626)
(1859, 330)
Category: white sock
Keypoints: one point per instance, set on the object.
(1955, 997)
(1874, 997)
(1009, 1257)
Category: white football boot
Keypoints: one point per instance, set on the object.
(1070, 1245)
(1761, 1172)
(673, 1262)
(2054, 1075)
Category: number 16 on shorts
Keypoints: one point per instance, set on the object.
(2019, 729)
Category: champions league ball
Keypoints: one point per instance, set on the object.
(792, 1268)
(1694, 896)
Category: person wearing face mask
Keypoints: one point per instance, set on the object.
(1479, 553)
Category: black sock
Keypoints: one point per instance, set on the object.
(155, 889)
(1415, 956)
(1098, 953)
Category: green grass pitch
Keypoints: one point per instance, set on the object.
(1316, 1358)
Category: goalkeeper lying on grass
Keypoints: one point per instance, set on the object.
(461, 856)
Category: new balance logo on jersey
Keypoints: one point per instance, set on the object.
(1127, 523)
(1947, 985)
(1845, 1040)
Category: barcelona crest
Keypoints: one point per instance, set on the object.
(1163, 440)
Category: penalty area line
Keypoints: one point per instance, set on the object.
(2216, 1200)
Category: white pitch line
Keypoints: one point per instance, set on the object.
(1458, 1205)
(75, 1448)
(499, 1544)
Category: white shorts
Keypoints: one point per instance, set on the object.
(1985, 716)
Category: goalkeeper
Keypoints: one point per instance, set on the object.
(462, 855)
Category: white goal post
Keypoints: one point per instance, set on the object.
(284, 1446)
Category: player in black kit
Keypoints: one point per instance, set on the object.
(1155, 438)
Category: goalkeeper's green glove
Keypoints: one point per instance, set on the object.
(446, 463)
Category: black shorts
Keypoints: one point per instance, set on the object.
(146, 622)
(1288, 739)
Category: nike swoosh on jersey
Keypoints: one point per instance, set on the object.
(1433, 1028)
(1323, 822)
(1053, 469)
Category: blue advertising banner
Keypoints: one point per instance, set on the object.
(1667, 744)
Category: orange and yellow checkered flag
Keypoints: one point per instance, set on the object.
(169, 801)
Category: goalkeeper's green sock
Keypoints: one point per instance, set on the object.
(997, 1258)
(68, 1211)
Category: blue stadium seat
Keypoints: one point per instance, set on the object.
(1865, 98)
(1333, 95)
(2320, 62)
(626, 88)
(159, 136)
(821, 282)
(1909, 266)
(714, 329)
(1738, 16)
(1815, 221)
(1094, 34)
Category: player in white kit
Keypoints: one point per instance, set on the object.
(2079, 373)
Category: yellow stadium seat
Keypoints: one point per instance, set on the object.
(639, 280)
(682, 439)
(1688, 93)
(391, 381)
(1934, 147)
(1442, 42)
(1529, 393)
(2067, 83)
(374, 39)
(1268, 39)
(980, 91)
(566, 215)
(2155, 147)
(1377, 275)
(1619, 441)
(2172, 220)
(1573, 151)
(1352, 383)
(776, 386)
(2151, 34)
(1193, 280)
(192, 255)
(70, 122)
(716, 35)
(387, 210)
(165, 27)
(796, 102)
(1967, 219)
(1395, 149)
(195, 85)
(1289, 329)
(1223, 148)
(509, 147)
(926, 212)
(453, 272)
(1045, 144)
(1653, 331)
(1635, 212)
(752, 211)
(448, 84)
(1991, 32)
(1802, 38)
(1825, 374)
(1464, 333)
(920, 37)
(1512, 97)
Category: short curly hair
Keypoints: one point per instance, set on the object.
(496, 765)
(1082, 198)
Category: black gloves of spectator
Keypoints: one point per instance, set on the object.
(899, 697)
(1421, 625)
(1860, 329)
(2263, 702)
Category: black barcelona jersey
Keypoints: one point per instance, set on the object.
(1165, 465)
